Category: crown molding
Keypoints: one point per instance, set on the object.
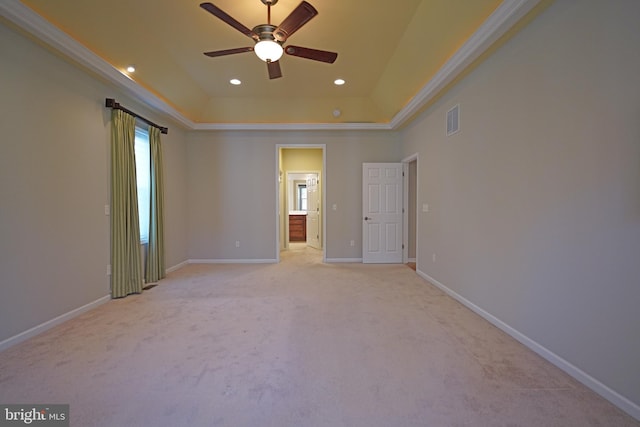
(29, 21)
(500, 21)
(292, 126)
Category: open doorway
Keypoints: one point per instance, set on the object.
(304, 210)
(301, 198)
(410, 171)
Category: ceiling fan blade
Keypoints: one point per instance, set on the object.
(314, 54)
(228, 51)
(221, 14)
(296, 19)
(274, 70)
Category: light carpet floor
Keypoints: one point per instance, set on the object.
(299, 343)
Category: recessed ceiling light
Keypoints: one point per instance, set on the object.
(339, 82)
(131, 69)
(235, 82)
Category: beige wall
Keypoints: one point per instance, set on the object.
(175, 197)
(535, 204)
(302, 159)
(54, 234)
(232, 190)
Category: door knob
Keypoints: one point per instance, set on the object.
(366, 218)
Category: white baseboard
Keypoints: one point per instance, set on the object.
(177, 267)
(51, 323)
(342, 260)
(612, 396)
(232, 261)
(219, 261)
(253, 261)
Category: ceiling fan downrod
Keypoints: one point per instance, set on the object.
(269, 3)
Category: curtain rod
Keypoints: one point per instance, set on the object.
(111, 103)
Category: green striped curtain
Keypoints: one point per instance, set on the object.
(126, 263)
(155, 254)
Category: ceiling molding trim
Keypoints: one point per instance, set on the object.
(292, 126)
(25, 18)
(499, 22)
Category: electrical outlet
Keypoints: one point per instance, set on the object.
(433, 257)
(106, 210)
(352, 243)
(425, 207)
(237, 243)
(108, 269)
(334, 207)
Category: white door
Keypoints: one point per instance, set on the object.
(313, 212)
(382, 213)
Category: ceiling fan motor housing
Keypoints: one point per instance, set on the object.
(265, 32)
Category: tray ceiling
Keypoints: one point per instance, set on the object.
(389, 53)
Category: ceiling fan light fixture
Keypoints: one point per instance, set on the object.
(268, 50)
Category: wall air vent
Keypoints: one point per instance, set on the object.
(453, 120)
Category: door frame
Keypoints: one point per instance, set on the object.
(323, 176)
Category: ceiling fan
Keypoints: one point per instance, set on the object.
(270, 38)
